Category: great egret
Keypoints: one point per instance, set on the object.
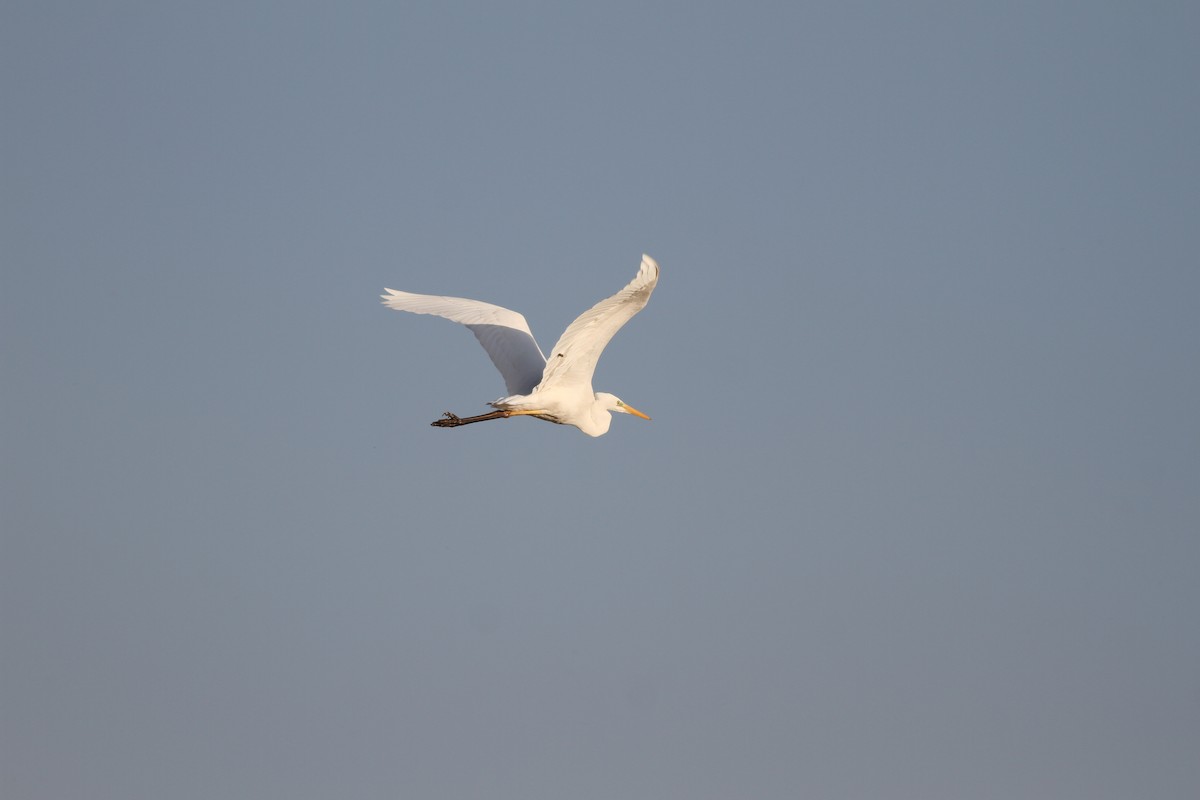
(559, 389)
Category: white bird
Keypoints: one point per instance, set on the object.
(559, 389)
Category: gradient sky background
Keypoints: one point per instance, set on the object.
(918, 514)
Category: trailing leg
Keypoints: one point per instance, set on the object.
(449, 420)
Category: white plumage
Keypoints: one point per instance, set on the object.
(558, 389)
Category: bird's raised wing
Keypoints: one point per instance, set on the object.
(574, 357)
(504, 334)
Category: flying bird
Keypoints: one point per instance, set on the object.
(558, 389)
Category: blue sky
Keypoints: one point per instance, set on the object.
(917, 512)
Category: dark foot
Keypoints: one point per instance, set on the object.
(449, 420)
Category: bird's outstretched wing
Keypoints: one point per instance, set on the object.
(574, 357)
(504, 334)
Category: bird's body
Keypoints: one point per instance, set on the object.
(558, 389)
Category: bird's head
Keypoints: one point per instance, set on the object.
(610, 402)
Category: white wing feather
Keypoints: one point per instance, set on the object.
(573, 359)
(504, 334)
